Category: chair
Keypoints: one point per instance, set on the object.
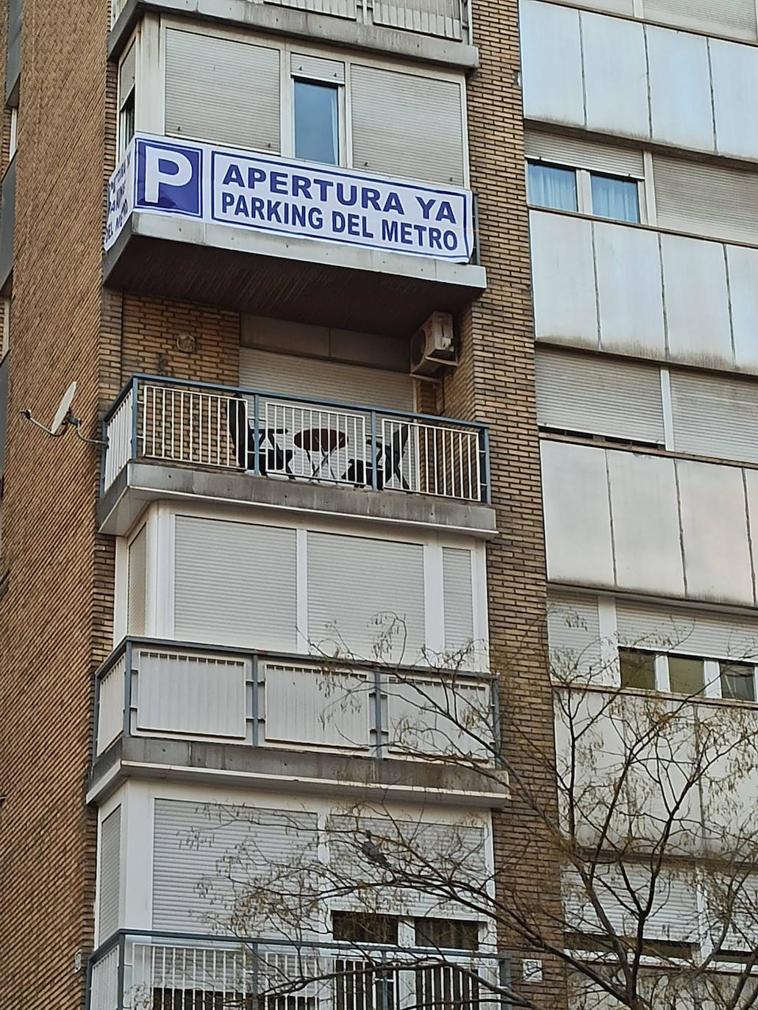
(388, 463)
(270, 455)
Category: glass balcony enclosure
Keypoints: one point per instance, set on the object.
(286, 438)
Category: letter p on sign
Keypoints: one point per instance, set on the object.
(169, 178)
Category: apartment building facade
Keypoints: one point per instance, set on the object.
(230, 222)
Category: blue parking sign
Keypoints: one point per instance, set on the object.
(169, 177)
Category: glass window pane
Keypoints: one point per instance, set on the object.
(364, 927)
(551, 187)
(317, 122)
(737, 681)
(686, 675)
(615, 198)
(637, 669)
(447, 934)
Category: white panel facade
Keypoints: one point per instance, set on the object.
(714, 530)
(615, 66)
(562, 270)
(680, 89)
(743, 289)
(553, 67)
(629, 291)
(645, 523)
(577, 514)
(305, 706)
(697, 301)
(735, 75)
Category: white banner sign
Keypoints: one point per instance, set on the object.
(222, 186)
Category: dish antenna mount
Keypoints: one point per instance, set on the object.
(64, 420)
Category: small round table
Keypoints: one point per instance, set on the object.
(324, 441)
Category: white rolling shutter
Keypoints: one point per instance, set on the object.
(599, 395)
(108, 912)
(410, 845)
(223, 91)
(458, 598)
(583, 154)
(198, 847)
(734, 18)
(325, 380)
(136, 621)
(317, 68)
(407, 125)
(692, 632)
(706, 199)
(573, 629)
(714, 416)
(235, 584)
(357, 587)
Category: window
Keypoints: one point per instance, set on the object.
(447, 934)
(363, 927)
(317, 129)
(551, 186)
(13, 134)
(737, 681)
(686, 675)
(126, 98)
(577, 189)
(637, 669)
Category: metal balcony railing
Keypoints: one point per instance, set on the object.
(268, 434)
(171, 971)
(194, 692)
(447, 19)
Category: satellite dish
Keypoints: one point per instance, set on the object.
(62, 412)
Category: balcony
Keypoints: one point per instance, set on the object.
(151, 971)
(292, 240)
(197, 440)
(162, 704)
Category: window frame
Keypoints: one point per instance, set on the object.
(583, 175)
(339, 88)
(712, 688)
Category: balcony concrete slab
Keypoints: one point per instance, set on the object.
(296, 771)
(301, 24)
(141, 483)
(299, 279)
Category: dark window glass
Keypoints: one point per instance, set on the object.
(737, 682)
(317, 122)
(637, 669)
(447, 934)
(361, 927)
(551, 186)
(686, 675)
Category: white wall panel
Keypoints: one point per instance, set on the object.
(735, 18)
(615, 70)
(716, 550)
(751, 493)
(680, 89)
(553, 66)
(743, 288)
(630, 295)
(577, 514)
(735, 75)
(563, 278)
(697, 301)
(645, 523)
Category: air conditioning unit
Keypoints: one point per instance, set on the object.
(433, 346)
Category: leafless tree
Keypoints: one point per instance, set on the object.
(651, 824)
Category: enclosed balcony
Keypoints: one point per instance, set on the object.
(150, 971)
(171, 438)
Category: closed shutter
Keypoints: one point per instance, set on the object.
(715, 416)
(407, 125)
(721, 17)
(235, 584)
(573, 628)
(325, 380)
(673, 917)
(708, 200)
(743, 934)
(458, 850)
(458, 601)
(599, 395)
(110, 876)
(199, 847)
(137, 584)
(692, 632)
(583, 154)
(127, 73)
(317, 68)
(223, 91)
(358, 588)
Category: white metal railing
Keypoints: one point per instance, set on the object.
(261, 700)
(287, 437)
(441, 18)
(162, 973)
